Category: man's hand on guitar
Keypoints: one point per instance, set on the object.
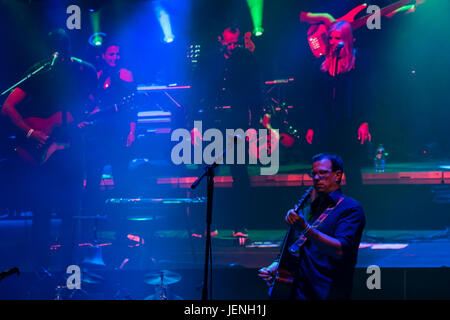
(268, 273)
(296, 220)
(40, 137)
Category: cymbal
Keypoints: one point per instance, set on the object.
(169, 297)
(164, 276)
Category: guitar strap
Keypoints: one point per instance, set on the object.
(294, 249)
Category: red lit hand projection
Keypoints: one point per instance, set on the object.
(310, 136)
(249, 45)
(363, 133)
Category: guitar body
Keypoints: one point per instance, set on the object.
(58, 131)
(29, 150)
(283, 280)
(282, 285)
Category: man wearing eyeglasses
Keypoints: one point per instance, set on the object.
(328, 233)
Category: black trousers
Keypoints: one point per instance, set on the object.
(55, 187)
(98, 154)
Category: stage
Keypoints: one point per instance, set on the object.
(414, 264)
(153, 90)
(408, 240)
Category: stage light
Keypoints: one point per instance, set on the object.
(168, 39)
(164, 21)
(258, 32)
(256, 11)
(94, 7)
(96, 39)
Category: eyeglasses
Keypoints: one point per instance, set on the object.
(321, 173)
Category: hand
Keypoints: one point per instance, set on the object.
(363, 133)
(309, 136)
(265, 121)
(251, 136)
(40, 137)
(83, 124)
(249, 45)
(295, 219)
(96, 110)
(130, 139)
(268, 273)
(196, 137)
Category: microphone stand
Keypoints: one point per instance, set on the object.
(335, 72)
(209, 173)
(28, 76)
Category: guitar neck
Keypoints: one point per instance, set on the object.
(385, 11)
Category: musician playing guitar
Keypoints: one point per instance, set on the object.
(45, 109)
(324, 251)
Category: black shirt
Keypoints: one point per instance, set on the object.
(321, 276)
(233, 82)
(346, 100)
(64, 87)
(114, 124)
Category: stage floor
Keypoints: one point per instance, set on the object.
(415, 264)
(176, 248)
(407, 237)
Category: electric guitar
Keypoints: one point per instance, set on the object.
(60, 131)
(283, 279)
(317, 34)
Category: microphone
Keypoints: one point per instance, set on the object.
(339, 46)
(55, 56)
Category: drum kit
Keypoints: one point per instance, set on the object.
(93, 265)
(94, 286)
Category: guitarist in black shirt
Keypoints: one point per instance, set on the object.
(324, 251)
(45, 109)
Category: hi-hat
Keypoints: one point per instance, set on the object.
(164, 277)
